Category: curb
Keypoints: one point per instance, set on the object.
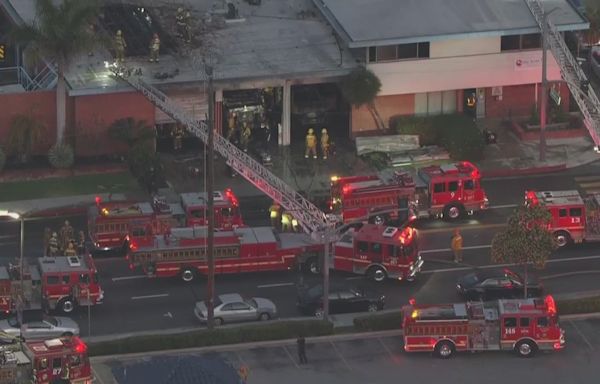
(75, 210)
(504, 172)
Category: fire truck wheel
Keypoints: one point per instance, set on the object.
(66, 305)
(377, 273)
(526, 348)
(453, 212)
(444, 349)
(188, 274)
(562, 239)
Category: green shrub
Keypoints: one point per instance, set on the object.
(377, 160)
(585, 305)
(220, 336)
(459, 135)
(378, 322)
(61, 156)
(415, 125)
(2, 159)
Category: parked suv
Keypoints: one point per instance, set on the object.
(341, 300)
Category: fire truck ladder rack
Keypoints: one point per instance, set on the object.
(571, 72)
(310, 217)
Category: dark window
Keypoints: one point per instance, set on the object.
(491, 283)
(562, 212)
(510, 43)
(575, 212)
(226, 212)
(439, 187)
(227, 307)
(453, 186)
(240, 306)
(56, 363)
(407, 51)
(52, 280)
(345, 295)
(510, 322)
(198, 213)
(84, 278)
(531, 41)
(138, 232)
(524, 322)
(372, 54)
(363, 246)
(424, 49)
(542, 321)
(386, 53)
(376, 248)
(66, 279)
(469, 184)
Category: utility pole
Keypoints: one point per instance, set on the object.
(544, 100)
(210, 214)
(326, 241)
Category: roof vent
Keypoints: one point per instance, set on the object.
(74, 261)
(390, 231)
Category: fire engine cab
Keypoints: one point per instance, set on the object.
(448, 191)
(63, 360)
(110, 223)
(523, 326)
(575, 218)
(55, 283)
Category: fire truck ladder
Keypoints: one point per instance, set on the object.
(571, 72)
(310, 217)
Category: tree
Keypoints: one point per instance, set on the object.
(59, 33)
(592, 13)
(24, 133)
(360, 88)
(130, 131)
(525, 240)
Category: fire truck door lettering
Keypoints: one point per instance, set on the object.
(56, 371)
(452, 194)
(363, 257)
(575, 220)
(394, 261)
(510, 331)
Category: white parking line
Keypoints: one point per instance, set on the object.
(590, 346)
(129, 277)
(290, 356)
(387, 349)
(439, 250)
(275, 285)
(96, 376)
(341, 356)
(7, 236)
(150, 296)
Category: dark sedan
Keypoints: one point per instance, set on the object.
(341, 300)
(497, 284)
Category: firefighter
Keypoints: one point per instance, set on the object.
(311, 144)
(53, 245)
(66, 234)
(295, 225)
(286, 221)
(70, 250)
(243, 372)
(180, 21)
(457, 246)
(120, 46)
(177, 137)
(301, 343)
(47, 236)
(274, 211)
(187, 33)
(324, 143)
(154, 48)
(81, 243)
(246, 134)
(65, 374)
(231, 125)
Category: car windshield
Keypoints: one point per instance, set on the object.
(513, 276)
(252, 303)
(51, 320)
(13, 322)
(471, 278)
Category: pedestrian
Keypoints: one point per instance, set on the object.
(70, 250)
(324, 143)
(301, 343)
(47, 236)
(119, 45)
(66, 234)
(243, 372)
(81, 244)
(457, 246)
(154, 48)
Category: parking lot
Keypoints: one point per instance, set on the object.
(364, 360)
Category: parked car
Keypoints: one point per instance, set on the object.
(341, 300)
(44, 327)
(232, 307)
(497, 284)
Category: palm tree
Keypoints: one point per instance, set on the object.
(592, 13)
(59, 33)
(24, 133)
(360, 88)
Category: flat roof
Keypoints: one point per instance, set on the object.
(364, 23)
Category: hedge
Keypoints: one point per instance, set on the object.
(575, 306)
(220, 336)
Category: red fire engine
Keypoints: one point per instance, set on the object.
(575, 218)
(524, 326)
(45, 362)
(372, 250)
(448, 191)
(56, 283)
(109, 223)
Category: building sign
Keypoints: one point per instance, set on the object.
(525, 63)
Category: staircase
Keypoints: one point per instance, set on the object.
(310, 217)
(571, 72)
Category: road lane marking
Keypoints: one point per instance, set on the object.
(566, 274)
(129, 277)
(7, 236)
(96, 376)
(275, 285)
(290, 356)
(585, 178)
(394, 358)
(150, 296)
(440, 250)
(7, 243)
(590, 346)
(341, 356)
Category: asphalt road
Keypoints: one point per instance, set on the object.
(364, 360)
(135, 303)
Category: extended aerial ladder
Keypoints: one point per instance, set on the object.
(571, 72)
(309, 216)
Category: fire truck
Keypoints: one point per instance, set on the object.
(442, 191)
(44, 362)
(575, 217)
(523, 326)
(110, 223)
(59, 283)
(371, 250)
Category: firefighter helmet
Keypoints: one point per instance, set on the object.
(311, 131)
(119, 33)
(324, 130)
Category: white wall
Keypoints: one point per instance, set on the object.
(479, 71)
(464, 47)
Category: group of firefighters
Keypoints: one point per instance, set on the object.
(311, 144)
(63, 243)
(240, 130)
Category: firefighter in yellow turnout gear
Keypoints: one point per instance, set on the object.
(324, 143)
(120, 45)
(154, 48)
(245, 139)
(311, 144)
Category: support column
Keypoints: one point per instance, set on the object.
(218, 116)
(460, 100)
(286, 115)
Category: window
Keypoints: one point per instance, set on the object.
(531, 41)
(226, 212)
(398, 52)
(198, 213)
(510, 322)
(510, 43)
(524, 322)
(56, 363)
(453, 186)
(240, 306)
(439, 187)
(84, 278)
(518, 42)
(52, 280)
(575, 212)
(66, 279)
(469, 184)
(139, 232)
(542, 321)
(227, 307)
(491, 283)
(562, 212)
(376, 248)
(344, 295)
(363, 246)
(423, 50)
(372, 54)
(408, 51)
(386, 53)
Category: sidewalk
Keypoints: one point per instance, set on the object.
(58, 206)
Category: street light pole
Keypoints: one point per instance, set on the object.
(21, 252)
(210, 287)
(544, 101)
(326, 240)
